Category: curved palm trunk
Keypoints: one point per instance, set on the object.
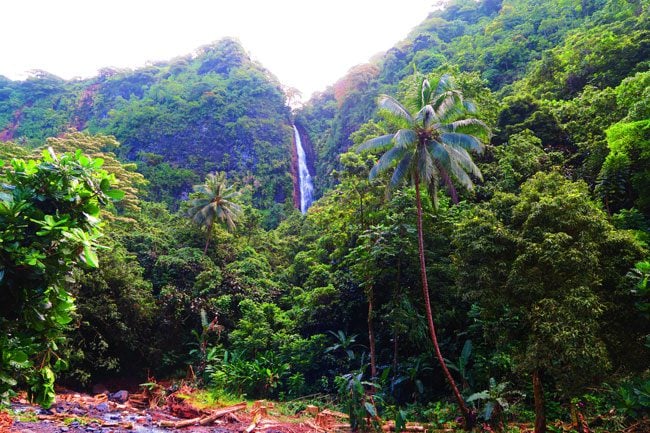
(467, 416)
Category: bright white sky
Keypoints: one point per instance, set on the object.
(307, 44)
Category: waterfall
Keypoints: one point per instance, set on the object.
(304, 178)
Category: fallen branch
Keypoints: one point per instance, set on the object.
(221, 412)
(58, 417)
(335, 413)
(179, 424)
(124, 425)
(409, 427)
(253, 424)
(203, 420)
(267, 424)
(314, 426)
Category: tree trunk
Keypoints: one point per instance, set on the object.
(467, 416)
(538, 394)
(371, 337)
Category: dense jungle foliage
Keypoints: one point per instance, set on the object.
(535, 249)
(213, 110)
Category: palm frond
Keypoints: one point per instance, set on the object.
(470, 107)
(462, 123)
(391, 105)
(425, 92)
(449, 106)
(214, 199)
(230, 222)
(425, 164)
(439, 114)
(387, 159)
(235, 208)
(461, 176)
(230, 197)
(440, 153)
(401, 171)
(199, 188)
(203, 216)
(426, 115)
(464, 160)
(405, 137)
(377, 143)
(445, 83)
(465, 141)
(446, 178)
(198, 218)
(433, 194)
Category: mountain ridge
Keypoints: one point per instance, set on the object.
(213, 110)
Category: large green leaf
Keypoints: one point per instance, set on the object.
(90, 257)
(8, 380)
(372, 411)
(483, 395)
(115, 194)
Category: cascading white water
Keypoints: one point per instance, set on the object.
(304, 178)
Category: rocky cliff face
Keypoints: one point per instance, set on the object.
(294, 174)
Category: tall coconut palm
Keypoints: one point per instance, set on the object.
(214, 200)
(430, 147)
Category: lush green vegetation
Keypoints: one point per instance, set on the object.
(523, 294)
(49, 221)
(213, 110)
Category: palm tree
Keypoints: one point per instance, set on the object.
(431, 146)
(212, 200)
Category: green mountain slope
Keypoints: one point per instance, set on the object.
(526, 50)
(213, 110)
